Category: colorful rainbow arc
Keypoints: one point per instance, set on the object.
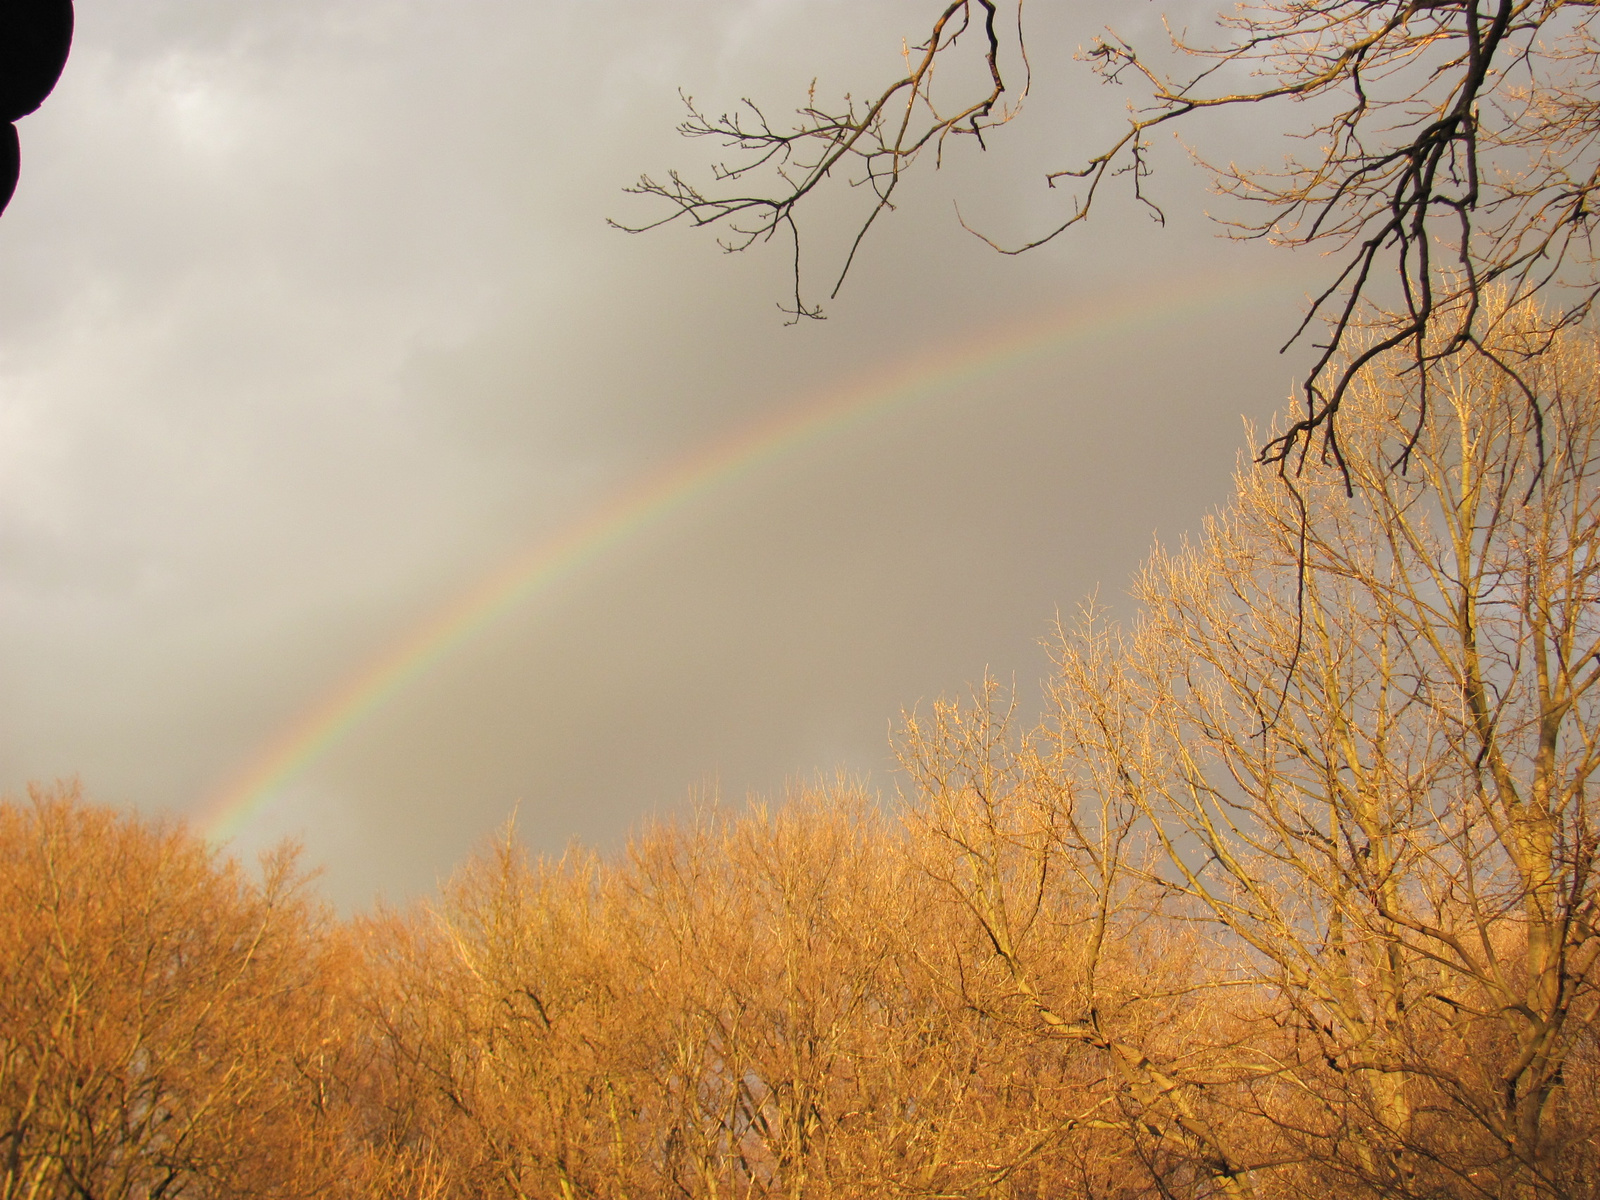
(650, 501)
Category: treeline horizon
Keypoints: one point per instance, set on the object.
(1291, 891)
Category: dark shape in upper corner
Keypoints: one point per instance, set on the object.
(35, 36)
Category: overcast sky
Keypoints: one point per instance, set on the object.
(310, 319)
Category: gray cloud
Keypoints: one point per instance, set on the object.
(308, 318)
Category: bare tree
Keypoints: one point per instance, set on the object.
(168, 1027)
(1442, 147)
(1365, 729)
(781, 1001)
(1034, 838)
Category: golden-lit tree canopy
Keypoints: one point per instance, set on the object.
(168, 1027)
(1436, 150)
(1287, 886)
(1292, 890)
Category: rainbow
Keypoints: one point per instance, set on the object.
(647, 502)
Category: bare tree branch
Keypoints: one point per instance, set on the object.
(1453, 145)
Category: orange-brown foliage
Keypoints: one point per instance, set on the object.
(168, 1026)
(1293, 892)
